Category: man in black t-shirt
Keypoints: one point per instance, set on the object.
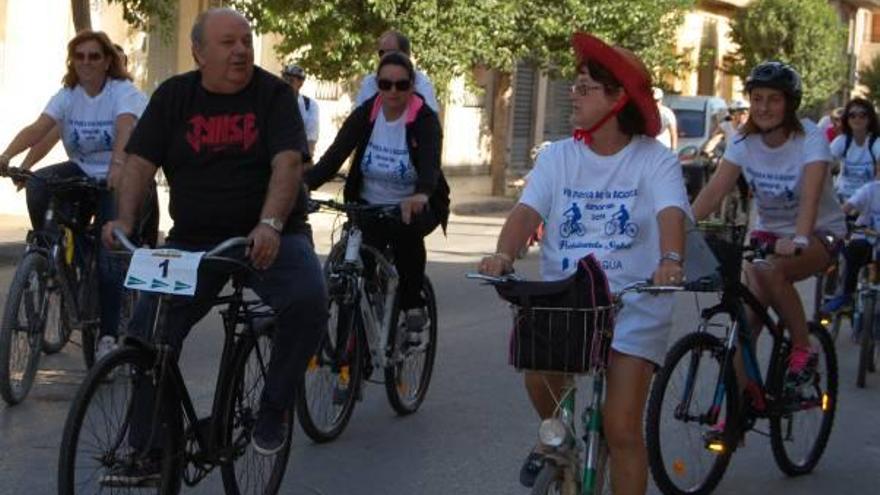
(231, 143)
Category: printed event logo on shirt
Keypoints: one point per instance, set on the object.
(778, 194)
(218, 132)
(599, 221)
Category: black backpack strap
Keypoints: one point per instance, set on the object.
(846, 146)
(308, 102)
(871, 142)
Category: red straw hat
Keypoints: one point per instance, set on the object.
(626, 67)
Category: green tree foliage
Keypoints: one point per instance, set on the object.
(335, 39)
(805, 33)
(870, 78)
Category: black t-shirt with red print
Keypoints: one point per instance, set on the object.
(216, 152)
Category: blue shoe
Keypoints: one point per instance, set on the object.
(837, 303)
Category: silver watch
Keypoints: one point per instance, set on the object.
(801, 241)
(273, 222)
(673, 256)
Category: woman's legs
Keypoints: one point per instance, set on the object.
(629, 380)
(37, 190)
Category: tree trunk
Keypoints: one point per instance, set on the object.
(501, 97)
(82, 14)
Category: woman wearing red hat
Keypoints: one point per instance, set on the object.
(622, 192)
(785, 162)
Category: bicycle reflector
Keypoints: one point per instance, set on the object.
(826, 402)
(552, 432)
(716, 446)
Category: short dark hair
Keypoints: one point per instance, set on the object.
(630, 119)
(402, 41)
(399, 59)
(873, 124)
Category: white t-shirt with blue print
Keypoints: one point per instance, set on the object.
(389, 175)
(867, 201)
(775, 177)
(88, 123)
(857, 167)
(608, 206)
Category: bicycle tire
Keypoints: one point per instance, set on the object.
(866, 338)
(332, 370)
(669, 479)
(603, 470)
(402, 397)
(551, 481)
(21, 335)
(238, 417)
(781, 423)
(123, 367)
(89, 314)
(58, 328)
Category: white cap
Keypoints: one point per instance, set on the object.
(658, 94)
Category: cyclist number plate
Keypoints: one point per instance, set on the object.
(168, 271)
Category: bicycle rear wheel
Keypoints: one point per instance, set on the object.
(58, 329)
(686, 453)
(249, 472)
(800, 431)
(408, 375)
(21, 331)
(98, 435)
(866, 338)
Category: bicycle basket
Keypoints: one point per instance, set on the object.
(569, 340)
(564, 325)
(726, 243)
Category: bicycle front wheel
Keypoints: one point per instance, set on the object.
(21, 331)
(800, 431)
(688, 451)
(555, 480)
(408, 375)
(106, 441)
(249, 472)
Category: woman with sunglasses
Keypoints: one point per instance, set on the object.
(857, 149)
(94, 113)
(396, 139)
(785, 162)
(612, 165)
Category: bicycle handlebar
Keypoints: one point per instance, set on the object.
(23, 175)
(387, 211)
(214, 253)
(640, 286)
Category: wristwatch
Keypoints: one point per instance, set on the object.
(672, 256)
(273, 222)
(801, 241)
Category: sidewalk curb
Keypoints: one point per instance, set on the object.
(492, 205)
(10, 252)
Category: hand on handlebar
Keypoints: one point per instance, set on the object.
(411, 206)
(265, 242)
(107, 236)
(496, 265)
(668, 273)
(786, 247)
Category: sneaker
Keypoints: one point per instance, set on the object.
(270, 432)
(801, 366)
(837, 303)
(106, 345)
(415, 319)
(531, 468)
(133, 471)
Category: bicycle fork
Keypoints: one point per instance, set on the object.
(592, 420)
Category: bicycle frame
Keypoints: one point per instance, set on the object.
(377, 327)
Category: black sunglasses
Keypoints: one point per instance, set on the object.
(857, 113)
(402, 85)
(92, 56)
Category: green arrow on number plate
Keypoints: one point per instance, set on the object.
(135, 281)
(178, 285)
(157, 284)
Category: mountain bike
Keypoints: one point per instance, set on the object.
(54, 289)
(145, 413)
(698, 411)
(574, 465)
(366, 331)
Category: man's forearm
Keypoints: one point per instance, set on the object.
(284, 186)
(136, 177)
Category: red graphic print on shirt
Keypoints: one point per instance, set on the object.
(222, 131)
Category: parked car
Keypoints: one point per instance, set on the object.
(697, 118)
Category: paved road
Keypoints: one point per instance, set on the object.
(474, 427)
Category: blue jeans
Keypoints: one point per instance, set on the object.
(293, 287)
(110, 271)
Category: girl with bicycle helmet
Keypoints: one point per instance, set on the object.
(611, 167)
(785, 162)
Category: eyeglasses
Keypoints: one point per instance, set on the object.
(583, 89)
(858, 114)
(91, 56)
(401, 85)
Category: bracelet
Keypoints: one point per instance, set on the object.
(801, 241)
(672, 256)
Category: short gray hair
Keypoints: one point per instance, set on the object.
(197, 34)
